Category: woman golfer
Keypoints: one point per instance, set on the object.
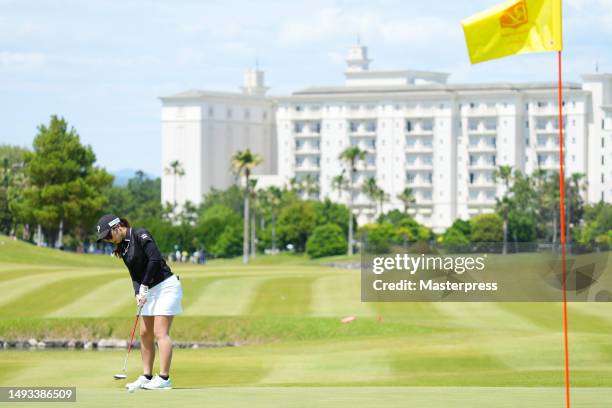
(158, 295)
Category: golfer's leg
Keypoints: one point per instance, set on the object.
(147, 343)
(164, 342)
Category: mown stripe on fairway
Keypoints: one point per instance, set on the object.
(339, 295)
(311, 366)
(97, 302)
(486, 316)
(226, 297)
(283, 297)
(9, 272)
(16, 288)
(51, 296)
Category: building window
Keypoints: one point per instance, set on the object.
(471, 178)
(247, 114)
(229, 112)
(298, 108)
(265, 115)
(408, 126)
(211, 112)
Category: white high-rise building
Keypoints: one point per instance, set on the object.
(442, 140)
(203, 129)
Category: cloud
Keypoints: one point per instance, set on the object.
(20, 59)
(331, 23)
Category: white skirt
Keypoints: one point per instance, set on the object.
(164, 299)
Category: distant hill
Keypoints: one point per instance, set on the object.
(124, 175)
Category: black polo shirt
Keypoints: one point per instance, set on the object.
(143, 259)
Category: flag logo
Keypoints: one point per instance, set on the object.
(514, 16)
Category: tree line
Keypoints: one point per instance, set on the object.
(55, 192)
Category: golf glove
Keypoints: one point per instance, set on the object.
(141, 297)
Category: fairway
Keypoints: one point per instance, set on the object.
(285, 312)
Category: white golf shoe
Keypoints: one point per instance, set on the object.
(158, 383)
(139, 383)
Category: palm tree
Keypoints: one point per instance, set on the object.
(339, 183)
(273, 196)
(382, 198)
(371, 189)
(176, 170)
(256, 202)
(350, 156)
(576, 186)
(407, 198)
(243, 162)
(505, 174)
(310, 186)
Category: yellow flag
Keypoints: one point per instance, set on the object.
(514, 27)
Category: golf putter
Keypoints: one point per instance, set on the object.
(123, 374)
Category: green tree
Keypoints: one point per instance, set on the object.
(12, 182)
(243, 163)
(350, 157)
(229, 243)
(295, 223)
(487, 228)
(328, 212)
(326, 240)
(377, 238)
(66, 190)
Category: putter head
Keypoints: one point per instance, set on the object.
(119, 376)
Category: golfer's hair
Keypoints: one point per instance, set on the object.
(118, 249)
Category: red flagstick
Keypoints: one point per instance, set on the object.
(562, 216)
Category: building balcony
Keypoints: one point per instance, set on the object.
(479, 110)
(307, 167)
(305, 151)
(482, 185)
(482, 131)
(482, 147)
(548, 110)
(482, 165)
(366, 166)
(307, 134)
(548, 148)
(362, 133)
(419, 165)
(423, 202)
(419, 185)
(419, 132)
(419, 148)
(306, 114)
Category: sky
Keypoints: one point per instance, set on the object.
(102, 65)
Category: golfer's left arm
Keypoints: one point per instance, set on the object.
(155, 261)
